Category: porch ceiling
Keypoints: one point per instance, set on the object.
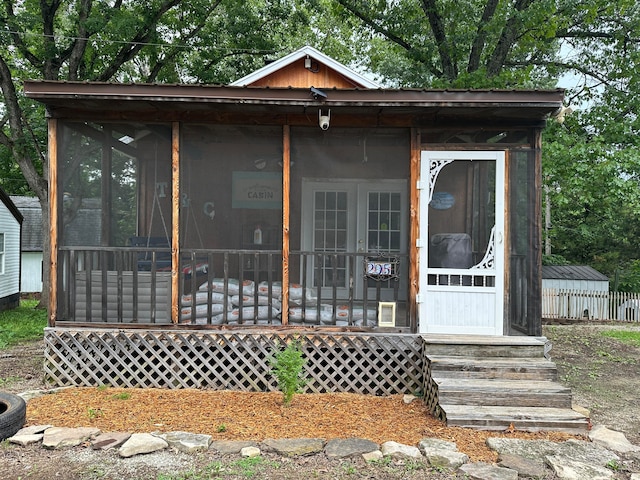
(291, 105)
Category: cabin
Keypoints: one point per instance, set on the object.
(303, 200)
(10, 235)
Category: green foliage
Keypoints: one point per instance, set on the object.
(22, 324)
(627, 278)
(287, 366)
(121, 396)
(631, 337)
(554, 259)
(244, 468)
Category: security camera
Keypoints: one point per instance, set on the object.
(323, 120)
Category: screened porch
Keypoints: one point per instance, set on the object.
(336, 257)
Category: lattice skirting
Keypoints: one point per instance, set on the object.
(430, 390)
(370, 364)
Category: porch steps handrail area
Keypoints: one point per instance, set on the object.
(497, 383)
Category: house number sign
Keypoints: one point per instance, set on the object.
(381, 268)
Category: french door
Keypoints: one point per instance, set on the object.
(354, 219)
(461, 248)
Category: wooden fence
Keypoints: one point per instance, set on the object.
(590, 305)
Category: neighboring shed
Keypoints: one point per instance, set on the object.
(10, 233)
(574, 277)
(31, 256)
(574, 291)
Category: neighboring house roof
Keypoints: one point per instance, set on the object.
(85, 226)
(572, 272)
(32, 225)
(4, 198)
(314, 55)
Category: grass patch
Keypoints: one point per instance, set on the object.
(22, 324)
(244, 468)
(631, 337)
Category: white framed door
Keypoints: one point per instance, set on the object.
(353, 216)
(461, 290)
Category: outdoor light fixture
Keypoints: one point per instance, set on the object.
(310, 65)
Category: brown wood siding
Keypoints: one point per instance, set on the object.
(295, 75)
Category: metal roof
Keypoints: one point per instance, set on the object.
(185, 102)
(4, 198)
(572, 272)
(32, 224)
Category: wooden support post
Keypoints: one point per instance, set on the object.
(175, 218)
(53, 219)
(414, 228)
(286, 188)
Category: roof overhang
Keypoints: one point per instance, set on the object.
(67, 99)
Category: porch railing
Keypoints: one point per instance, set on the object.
(224, 287)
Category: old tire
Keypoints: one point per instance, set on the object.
(13, 414)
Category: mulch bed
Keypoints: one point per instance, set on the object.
(230, 415)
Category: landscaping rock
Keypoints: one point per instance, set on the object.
(437, 444)
(140, 443)
(407, 399)
(187, 442)
(105, 441)
(33, 430)
(348, 447)
(25, 440)
(578, 450)
(396, 449)
(250, 452)
(60, 437)
(230, 447)
(568, 469)
(373, 456)
(525, 467)
(295, 446)
(445, 459)
(484, 471)
(611, 439)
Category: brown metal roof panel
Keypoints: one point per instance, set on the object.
(43, 90)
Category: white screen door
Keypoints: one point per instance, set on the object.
(461, 243)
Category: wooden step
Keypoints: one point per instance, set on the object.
(483, 346)
(529, 419)
(497, 392)
(507, 368)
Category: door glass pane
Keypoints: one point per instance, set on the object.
(384, 222)
(462, 214)
(330, 224)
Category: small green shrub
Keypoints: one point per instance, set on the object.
(287, 366)
(121, 396)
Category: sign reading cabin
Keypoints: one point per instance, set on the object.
(256, 190)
